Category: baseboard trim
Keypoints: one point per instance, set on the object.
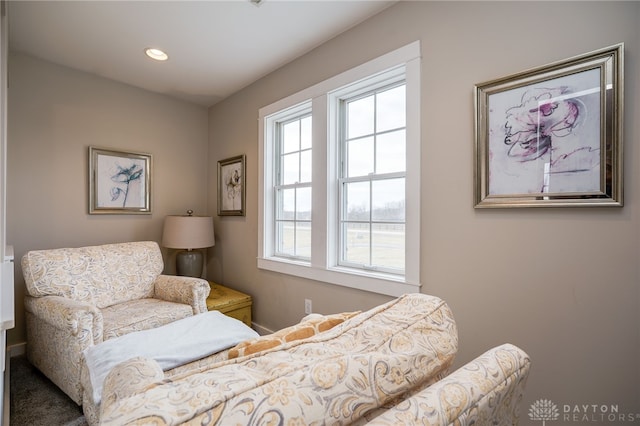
(17, 349)
(261, 329)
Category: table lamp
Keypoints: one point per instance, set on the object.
(188, 234)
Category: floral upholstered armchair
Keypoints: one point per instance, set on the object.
(79, 297)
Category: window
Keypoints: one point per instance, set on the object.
(293, 189)
(340, 171)
(372, 177)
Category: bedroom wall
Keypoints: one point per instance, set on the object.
(563, 284)
(54, 115)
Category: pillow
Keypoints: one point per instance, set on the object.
(310, 325)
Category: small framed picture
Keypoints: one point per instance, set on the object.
(119, 182)
(231, 186)
(552, 136)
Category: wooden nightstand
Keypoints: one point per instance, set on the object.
(230, 302)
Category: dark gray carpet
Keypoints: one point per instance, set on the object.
(35, 400)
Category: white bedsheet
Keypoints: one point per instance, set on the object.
(171, 345)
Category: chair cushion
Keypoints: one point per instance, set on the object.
(141, 314)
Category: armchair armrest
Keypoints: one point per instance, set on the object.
(487, 390)
(187, 290)
(80, 319)
(118, 384)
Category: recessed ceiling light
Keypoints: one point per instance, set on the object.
(156, 54)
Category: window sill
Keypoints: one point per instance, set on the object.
(386, 284)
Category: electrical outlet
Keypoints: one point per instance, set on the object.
(307, 306)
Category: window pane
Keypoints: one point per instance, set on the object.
(285, 238)
(287, 204)
(303, 239)
(290, 168)
(303, 204)
(360, 157)
(391, 151)
(388, 246)
(356, 243)
(291, 137)
(360, 117)
(305, 133)
(390, 111)
(305, 166)
(357, 201)
(388, 200)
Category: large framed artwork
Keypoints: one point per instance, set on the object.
(552, 136)
(231, 186)
(119, 182)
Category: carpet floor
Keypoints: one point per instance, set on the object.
(35, 400)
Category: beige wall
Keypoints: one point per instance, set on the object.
(560, 283)
(55, 114)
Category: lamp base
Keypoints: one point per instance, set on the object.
(189, 263)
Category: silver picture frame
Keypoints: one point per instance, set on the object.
(119, 182)
(552, 136)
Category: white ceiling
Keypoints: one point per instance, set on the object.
(215, 47)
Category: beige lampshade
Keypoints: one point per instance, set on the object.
(188, 232)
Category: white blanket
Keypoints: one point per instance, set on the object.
(171, 345)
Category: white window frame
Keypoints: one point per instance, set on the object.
(274, 124)
(337, 98)
(321, 99)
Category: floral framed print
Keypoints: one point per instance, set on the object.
(119, 182)
(231, 188)
(552, 136)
